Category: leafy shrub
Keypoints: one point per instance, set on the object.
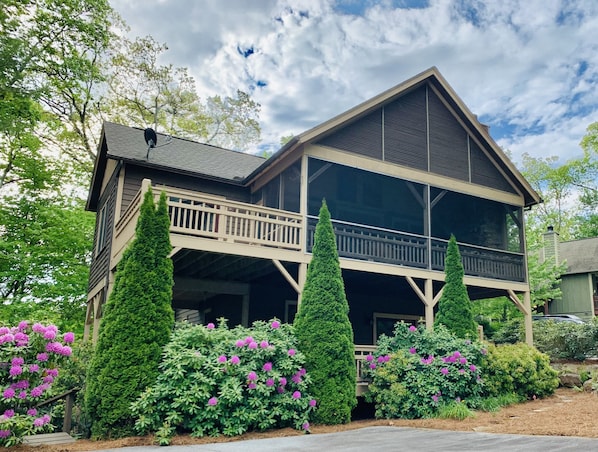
(417, 372)
(566, 340)
(323, 329)
(510, 332)
(518, 369)
(227, 381)
(455, 409)
(29, 360)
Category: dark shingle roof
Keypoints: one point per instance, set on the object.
(581, 255)
(128, 143)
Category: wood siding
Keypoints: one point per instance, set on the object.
(100, 263)
(419, 131)
(135, 174)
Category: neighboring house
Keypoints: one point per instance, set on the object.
(579, 283)
(400, 173)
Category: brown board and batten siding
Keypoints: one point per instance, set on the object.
(135, 174)
(419, 131)
(100, 264)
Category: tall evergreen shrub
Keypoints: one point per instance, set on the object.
(455, 311)
(137, 322)
(324, 331)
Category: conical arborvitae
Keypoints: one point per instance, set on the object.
(455, 311)
(137, 322)
(324, 331)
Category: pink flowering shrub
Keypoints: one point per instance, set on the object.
(29, 360)
(417, 372)
(227, 381)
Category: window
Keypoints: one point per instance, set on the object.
(101, 230)
(385, 323)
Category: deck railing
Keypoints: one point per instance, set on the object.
(208, 216)
(361, 353)
(400, 248)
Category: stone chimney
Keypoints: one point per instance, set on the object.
(551, 246)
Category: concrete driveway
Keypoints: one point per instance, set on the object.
(392, 439)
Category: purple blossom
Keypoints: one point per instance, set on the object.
(22, 395)
(280, 389)
(8, 393)
(17, 361)
(23, 325)
(251, 385)
(252, 345)
(42, 357)
(69, 337)
(234, 359)
(9, 413)
(222, 359)
(22, 384)
(412, 350)
(39, 422)
(473, 368)
(412, 328)
(249, 340)
(33, 368)
(240, 343)
(305, 426)
(463, 360)
(444, 370)
(52, 372)
(292, 352)
(66, 351)
(372, 366)
(428, 360)
(275, 324)
(267, 367)
(369, 358)
(48, 379)
(252, 376)
(461, 371)
(484, 351)
(4, 330)
(270, 382)
(32, 412)
(312, 403)
(50, 334)
(296, 395)
(435, 398)
(37, 391)
(264, 344)
(38, 328)
(15, 370)
(4, 433)
(302, 371)
(296, 378)
(457, 354)
(213, 401)
(282, 381)
(210, 326)
(8, 338)
(381, 359)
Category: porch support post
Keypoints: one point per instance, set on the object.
(428, 299)
(526, 309)
(301, 281)
(245, 311)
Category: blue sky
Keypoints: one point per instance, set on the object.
(527, 68)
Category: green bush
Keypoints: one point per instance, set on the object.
(324, 332)
(509, 332)
(518, 369)
(419, 372)
(455, 310)
(227, 381)
(136, 324)
(566, 340)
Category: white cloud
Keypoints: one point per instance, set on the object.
(528, 68)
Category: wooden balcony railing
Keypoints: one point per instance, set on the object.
(208, 216)
(400, 248)
(361, 353)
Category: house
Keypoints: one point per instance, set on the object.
(579, 283)
(399, 172)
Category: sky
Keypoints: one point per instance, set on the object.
(527, 68)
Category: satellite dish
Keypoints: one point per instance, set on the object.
(151, 139)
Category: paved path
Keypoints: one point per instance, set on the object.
(391, 439)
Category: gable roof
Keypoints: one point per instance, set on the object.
(581, 255)
(433, 77)
(125, 143)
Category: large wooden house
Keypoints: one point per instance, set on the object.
(400, 173)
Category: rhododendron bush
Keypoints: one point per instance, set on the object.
(216, 380)
(30, 356)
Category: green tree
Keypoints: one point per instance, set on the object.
(137, 323)
(324, 331)
(145, 93)
(455, 310)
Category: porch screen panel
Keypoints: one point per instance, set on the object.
(363, 136)
(448, 141)
(405, 130)
(484, 172)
